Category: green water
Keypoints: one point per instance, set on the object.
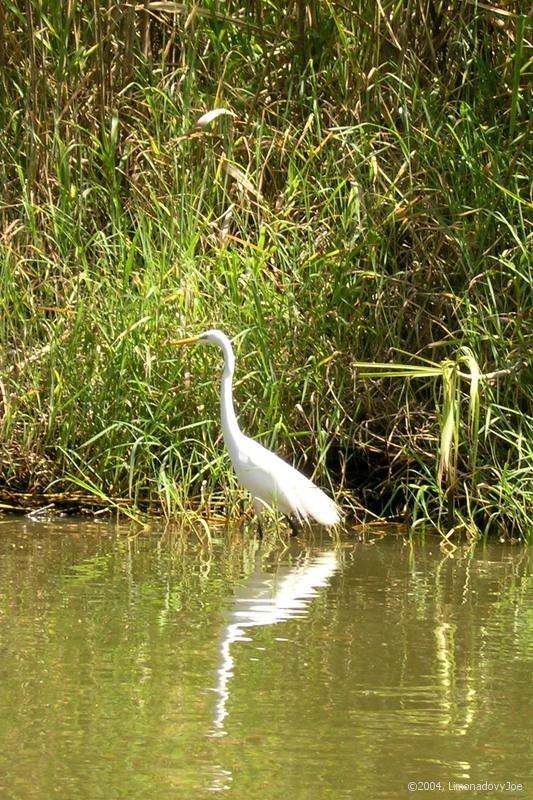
(148, 667)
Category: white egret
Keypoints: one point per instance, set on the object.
(270, 480)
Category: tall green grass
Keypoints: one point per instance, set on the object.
(368, 202)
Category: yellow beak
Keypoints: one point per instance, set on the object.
(188, 340)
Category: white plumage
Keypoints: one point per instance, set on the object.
(270, 480)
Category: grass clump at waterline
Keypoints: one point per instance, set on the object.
(367, 202)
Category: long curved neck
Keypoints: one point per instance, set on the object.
(230, 426)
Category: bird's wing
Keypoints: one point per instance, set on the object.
(276, 483)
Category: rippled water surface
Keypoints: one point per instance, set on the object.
(153, 667)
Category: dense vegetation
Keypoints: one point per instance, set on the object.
(367, 200)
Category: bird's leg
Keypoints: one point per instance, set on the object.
(294, 526)
(258, 507)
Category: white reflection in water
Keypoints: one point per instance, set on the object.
(265, 599)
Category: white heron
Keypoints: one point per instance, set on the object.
(271, 481)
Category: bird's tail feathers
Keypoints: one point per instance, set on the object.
(312, 503)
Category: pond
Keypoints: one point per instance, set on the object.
(161, 666)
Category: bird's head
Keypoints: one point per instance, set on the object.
(212, 336)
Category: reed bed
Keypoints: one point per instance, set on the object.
(358, 220)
